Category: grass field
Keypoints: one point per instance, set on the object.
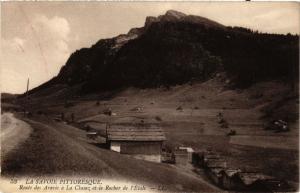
(196, 125)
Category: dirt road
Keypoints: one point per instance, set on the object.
(13, 133)
(59, 149)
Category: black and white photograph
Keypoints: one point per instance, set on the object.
(111, 96)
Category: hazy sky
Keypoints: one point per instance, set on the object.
(38, 37)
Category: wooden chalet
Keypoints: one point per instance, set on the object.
(140, 141)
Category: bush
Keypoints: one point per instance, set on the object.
(158, 118)
(179, 108)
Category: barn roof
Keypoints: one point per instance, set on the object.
(133, 133)
(232, 172)
(96, 125)
(250, 177)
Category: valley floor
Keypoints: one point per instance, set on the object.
(188, 115)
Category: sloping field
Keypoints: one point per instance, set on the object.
(189, 115)
(59, 149)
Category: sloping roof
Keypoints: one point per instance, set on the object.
(135, 133)
(249, 178)
(232, 172)
(96, 125)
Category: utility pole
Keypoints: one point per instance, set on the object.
(27, 88)
(26, 100)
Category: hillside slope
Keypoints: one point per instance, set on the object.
(196, 125)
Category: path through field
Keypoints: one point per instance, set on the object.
(13, 132)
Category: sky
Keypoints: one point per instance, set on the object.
(38, 37)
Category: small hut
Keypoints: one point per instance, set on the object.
(198, 159)
(215, 174)
(139, 141)
(254, 181)
(189, 151)
(231, 179)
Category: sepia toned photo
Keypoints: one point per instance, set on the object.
(149, 97)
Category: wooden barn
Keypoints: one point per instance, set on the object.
(139, 141)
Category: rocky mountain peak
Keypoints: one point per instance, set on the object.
(170, 15)
(175, 14)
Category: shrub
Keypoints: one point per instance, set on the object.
(158, 118)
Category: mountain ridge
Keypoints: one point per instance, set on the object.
(175, 48)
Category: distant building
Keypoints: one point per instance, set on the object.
(183, 155)
(140, 141)
(189, 151)
(231, 179)
(215, 174)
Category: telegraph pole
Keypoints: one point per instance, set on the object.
(26, 100)
(27, 88)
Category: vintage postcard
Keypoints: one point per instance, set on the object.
(149, 97)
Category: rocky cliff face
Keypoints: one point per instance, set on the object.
(174, 48)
